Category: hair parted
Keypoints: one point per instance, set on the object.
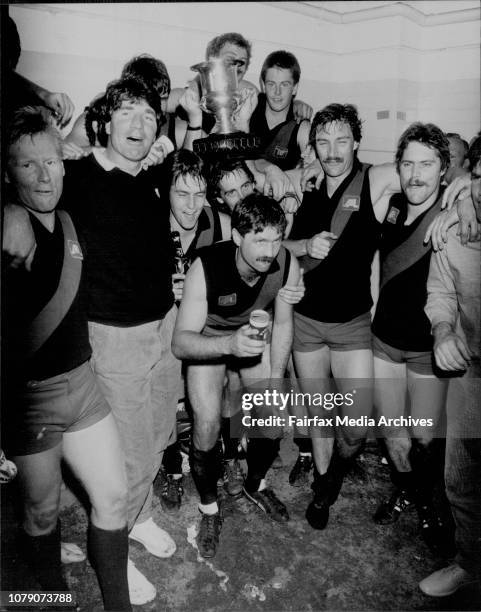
(132, 90)
(215, 45)
(183, 163)
(221, 168)
(256, 212)
(427, 134)
(337, 113)
(282, 59)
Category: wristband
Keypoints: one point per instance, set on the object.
(193, 129)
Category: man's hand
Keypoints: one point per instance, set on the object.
(158, 152)
(450, 351)
(469, 228)
(242, 344)
(61, 105)
(437, 230)
(312, 171)
(459, 188)
(290, 203)
(276, 183)
(247, 104)
(18, 238)
(464, 214)
(293, 294)
(301, 111)
(190, 102)
(178, 286)
(72, 151)
(319, 245)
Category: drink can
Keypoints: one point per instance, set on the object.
(259, 323)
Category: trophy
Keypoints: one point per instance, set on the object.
(220, 97)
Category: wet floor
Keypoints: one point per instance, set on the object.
(353, 564)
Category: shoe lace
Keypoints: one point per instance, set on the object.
(233, 470)
(172, 487)
(210, 523)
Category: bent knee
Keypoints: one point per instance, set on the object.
(41, 519)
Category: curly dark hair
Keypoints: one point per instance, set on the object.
(132, 90)
(256, 212)
(282, 59)
(150, 70)
(96, 112)
(337, 113)
(427, 134)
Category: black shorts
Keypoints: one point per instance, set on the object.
(46, 409)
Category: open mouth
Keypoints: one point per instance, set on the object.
(134, 140)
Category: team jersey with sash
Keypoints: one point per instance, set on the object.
(208, 231)
(279, 144)
(338, 288)
(230, 300)
(400, 320)
(46, 330)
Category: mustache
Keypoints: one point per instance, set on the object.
(337, 160)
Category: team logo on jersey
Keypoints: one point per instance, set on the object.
(227, 300)
(350, 202)
(74, 249)
(280, 152)
(393, 215)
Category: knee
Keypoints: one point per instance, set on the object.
(40, 518)
(110, 507)
(398, 446)
(206, 433)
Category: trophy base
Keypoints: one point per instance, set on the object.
(229, 146)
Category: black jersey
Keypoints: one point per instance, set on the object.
(400, 320)
(339, 288)
(230, 300)
(279, 144)
(208, 231)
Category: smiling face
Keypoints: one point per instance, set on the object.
(132, 130)
(420, 173)
(35, 168)
(335, 148)
(187, 199)
(234, 187)
(257, 250)
(279, 88)
(237, 55)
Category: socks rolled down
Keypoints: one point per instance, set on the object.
(108, 552)
(205, 468)
(42, 555)
(261, 452)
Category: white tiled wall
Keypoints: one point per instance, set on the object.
(425, 72)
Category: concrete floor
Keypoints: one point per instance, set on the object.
(261, 565)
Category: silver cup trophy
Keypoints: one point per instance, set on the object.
(220, 97)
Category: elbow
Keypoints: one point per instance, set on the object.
(177, 346)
